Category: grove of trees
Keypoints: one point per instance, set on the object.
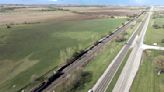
(159, 63)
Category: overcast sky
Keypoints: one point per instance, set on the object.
(114, 2)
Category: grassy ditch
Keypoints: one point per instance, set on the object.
(147, 78)
(155, 32)
(115, 78)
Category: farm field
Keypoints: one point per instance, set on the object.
(106, 11)
(14, 15)
(28, 51)
(147, 79)
(154, 35)
(31, 16)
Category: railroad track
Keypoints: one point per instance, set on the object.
(83, 59)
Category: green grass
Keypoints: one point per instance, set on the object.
(32, 50)
(100, 63)
(115, 78)
(155, 35)
(147, 79)
(159, 21)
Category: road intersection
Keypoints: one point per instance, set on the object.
(106, 78)
(130, 69)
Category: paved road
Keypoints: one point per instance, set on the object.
(105, 79)
(152, 47)
(129, 71)
(85, 58)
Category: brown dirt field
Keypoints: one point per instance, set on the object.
(33, 14)
(30, 16)
(110, 11)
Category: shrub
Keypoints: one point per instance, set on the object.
(163, 26)
(85, 77)
(162, 41)
(155, 26)
(75, 56)
(8, 26)
(34, 78)
(159, 63)
(123, 24)
(125, 33)
(75, 82)
(112, 17)
(120, 38)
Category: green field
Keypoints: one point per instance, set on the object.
(147, 79)
(155, 35)
(28, 51)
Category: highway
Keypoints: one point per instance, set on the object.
(130, 69)
(106, 78)
(83, 60)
